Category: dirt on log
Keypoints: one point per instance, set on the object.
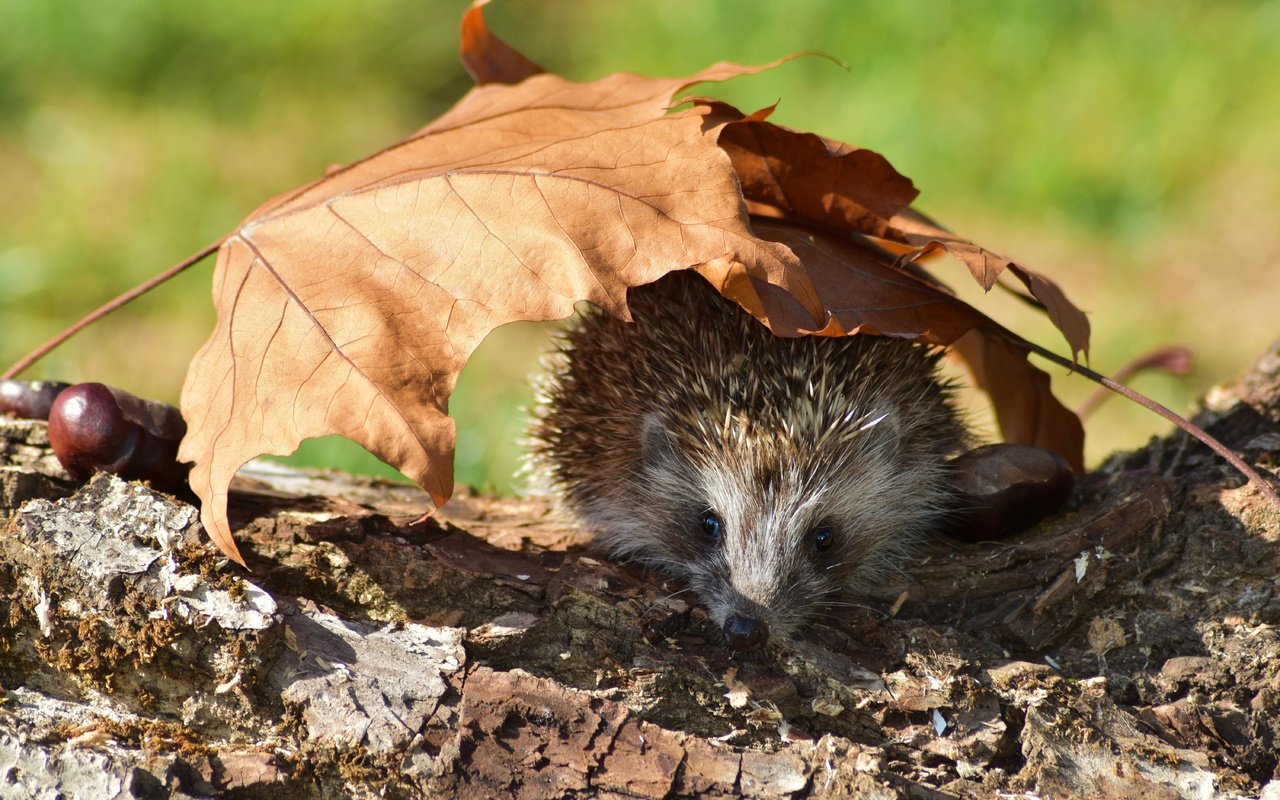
(1126, 648)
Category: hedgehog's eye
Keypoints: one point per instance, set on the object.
(823, 537)
(712, 526)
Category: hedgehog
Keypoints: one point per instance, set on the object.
(769, 474)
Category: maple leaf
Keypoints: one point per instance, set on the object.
(350, 305)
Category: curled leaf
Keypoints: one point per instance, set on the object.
(807, 177)
(913, 228)
(857, 286)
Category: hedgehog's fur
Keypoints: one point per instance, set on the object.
(644, 427)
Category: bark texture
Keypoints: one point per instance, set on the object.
(1126, 648)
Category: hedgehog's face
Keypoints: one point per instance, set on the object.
(768, 541)
(763, 571)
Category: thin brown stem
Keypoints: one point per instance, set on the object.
(1151, 405)
(1174, 359)
(111, 305)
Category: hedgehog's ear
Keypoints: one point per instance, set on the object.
(656, 446)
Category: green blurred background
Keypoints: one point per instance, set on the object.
(1131, 150)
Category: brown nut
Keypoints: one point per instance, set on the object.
(94, 427)
(29, 399)
(1003, 489)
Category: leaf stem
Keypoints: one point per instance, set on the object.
(106, 308)
(1174, 359)
(1151, 405)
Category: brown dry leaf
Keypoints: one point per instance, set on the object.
(808, 177)
(913, 228)
(858, 285)
(802, 176)
(1025, 407)
(487, 58)
(350, 305)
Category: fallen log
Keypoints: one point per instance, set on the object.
(1126, 647)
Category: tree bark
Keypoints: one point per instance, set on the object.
(1125, 648)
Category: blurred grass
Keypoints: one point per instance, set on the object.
(1127, 149)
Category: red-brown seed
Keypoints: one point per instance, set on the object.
(1003, 489)
(29, 399)
(93, 427)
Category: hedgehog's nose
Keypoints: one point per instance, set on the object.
(745, 633)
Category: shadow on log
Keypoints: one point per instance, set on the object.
(1126, 648)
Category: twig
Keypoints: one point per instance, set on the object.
(111, 305)
(1151, 405)
(1175, 359)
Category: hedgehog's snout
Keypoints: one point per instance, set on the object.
(745, 633)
